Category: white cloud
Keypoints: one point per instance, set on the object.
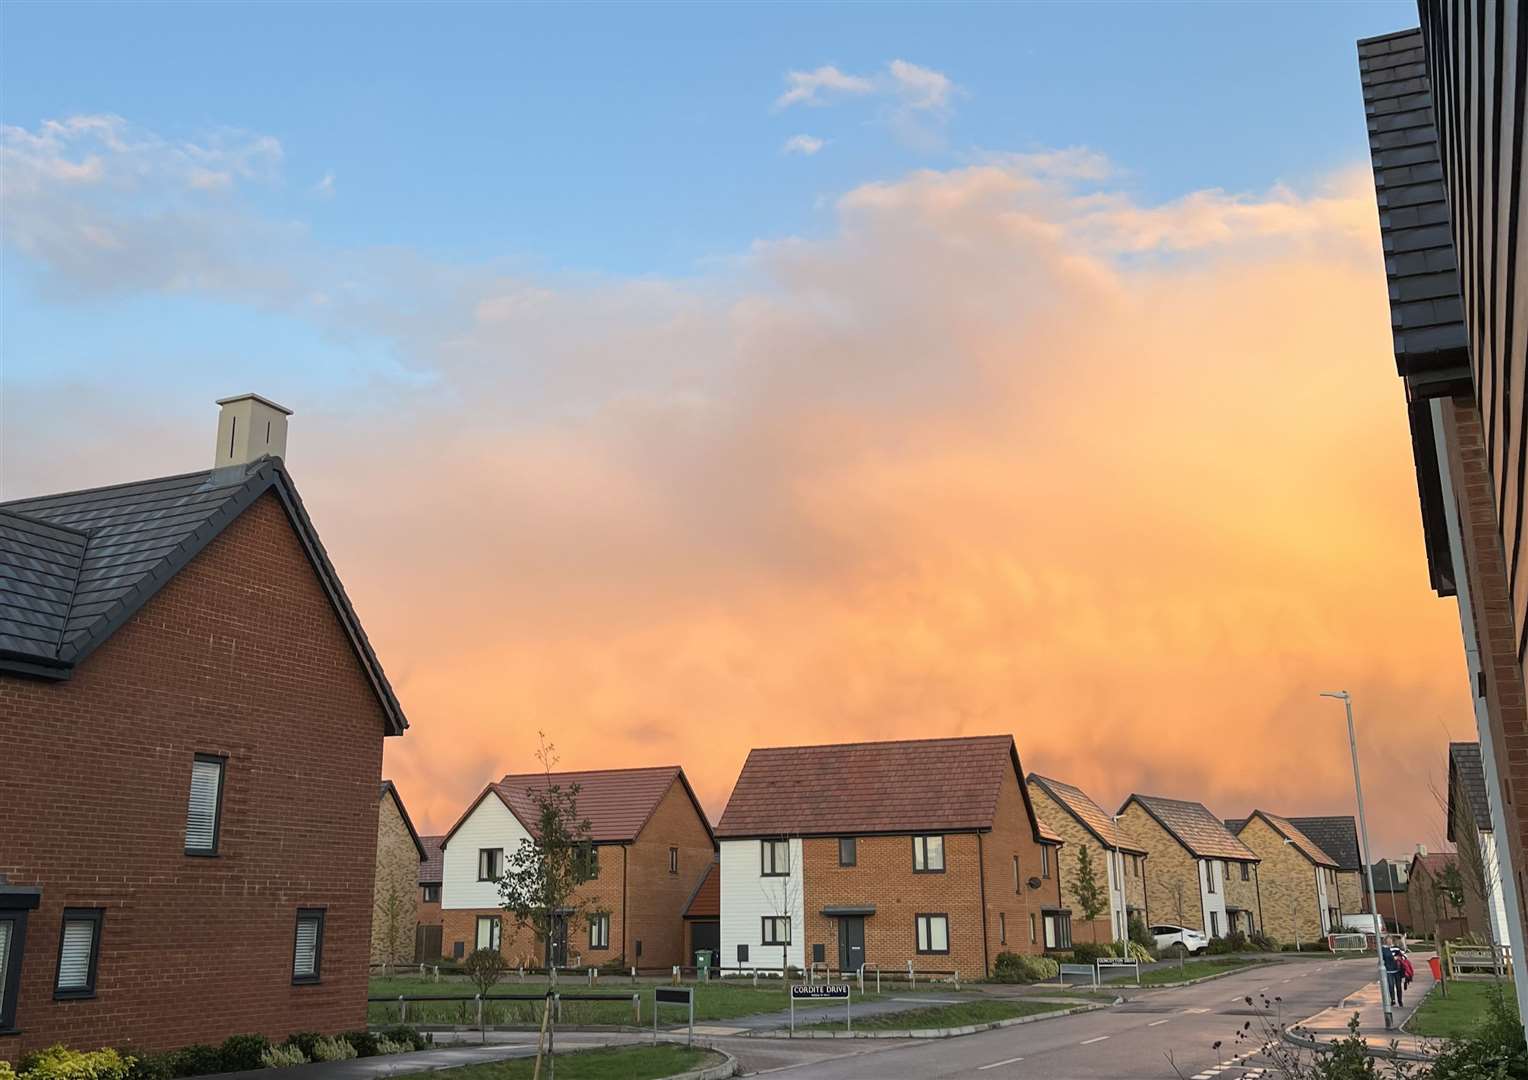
(921, 87)
(803, 144)
(325, 187)
(812, 87)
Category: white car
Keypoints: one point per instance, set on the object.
(1192, 940)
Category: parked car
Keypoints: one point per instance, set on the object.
(1192, 940)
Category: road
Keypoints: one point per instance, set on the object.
(1147, 1037)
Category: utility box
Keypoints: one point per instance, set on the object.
(703, 965)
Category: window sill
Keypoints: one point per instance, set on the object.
(916, 871)
(933, 952)
(73, 995)
(306, 980)
(193, 854)
(9, 1031)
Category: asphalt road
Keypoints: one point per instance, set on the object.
(1160, 1033)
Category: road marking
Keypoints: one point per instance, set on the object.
(997, 1064)
(1196, 1012)
(1154, 1023)
(1094, 1039)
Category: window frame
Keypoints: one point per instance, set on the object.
(923, 930)
(495, 935)
(97, 917)
(921, 846)
(1209, 876)
(1033, 934)
(673, 860)
(316, 914)
(765, 927)
(495, 863)
(600, 922)
(221, 761)
(10, 975)
(768, 863)
(1045, 862)
(1055, 922)
(1018, 879)
(424, 893)
(853, 849)
(1246, 871)
(1002, 928)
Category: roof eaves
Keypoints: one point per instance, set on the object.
(403, 812)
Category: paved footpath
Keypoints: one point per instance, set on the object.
(1332, 1024)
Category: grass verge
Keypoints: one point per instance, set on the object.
(1193, 969)
(606, 1063)
(944, 1016)
(1467, 1004)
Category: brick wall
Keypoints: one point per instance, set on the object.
(1009, 907)
(1395, 908)
(239, 654)
(1168, 868)
(1350, 891)
(395, 902)
(1246, 895)
(1291, 911)
(655, 897)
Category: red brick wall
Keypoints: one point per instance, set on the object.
(240, 654)
(1014, 835)
(655, 897)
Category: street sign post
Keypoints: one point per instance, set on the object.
(830, 991)
(674, 995)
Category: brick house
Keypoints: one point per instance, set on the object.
(1296, 878)
(1337, 835)
(1392, 903)
(1433, 910)
(193, 723)
(395, 900)
(428, 943)
(1470, 831)
(1114, 854)
(1202, 877)
(885, 853)
(703, 917)
(653, 844)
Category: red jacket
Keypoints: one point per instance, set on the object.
(1406, 968)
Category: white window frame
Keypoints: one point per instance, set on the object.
(495, 932)
(495, 863)
(599, 930)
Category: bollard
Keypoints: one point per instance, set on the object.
(675, 977)
(633, 974)
(957, 978)
(862, 978)
(589, 976)
(636, 1010)
(479, 999)
(911, 976)
(755, 978)
(403, 1010)
(421, 971)
(522, 972)
(437, 972)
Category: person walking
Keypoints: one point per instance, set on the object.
(1394, 974)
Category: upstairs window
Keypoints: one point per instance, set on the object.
(928, 854)
(490, 863)
(848, 851)
(775, 858)
(1209, 877)
(431, 894)
(79, 946)
(308, 946)
(204, 808)
(1045, 861)
(589, 861)
(1246, 871)
(673, 860)
(1016, 879)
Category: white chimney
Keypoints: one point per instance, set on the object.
(1421, 849)
(249, 427)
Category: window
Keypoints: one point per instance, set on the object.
(775, 858)
(1045, 861)
(1002, 928)
(933, 933)
(1209, 877)
(79, 945)
(1214, 924)
(1228, 869)
(673, 860)
(1017, 880)
(928, 854)
(204, 808)
(1032, 937)
(431, 894)
(488, 929)
(777, 930)
(308, 947)
(599, 931)
(1136, 859)
(1058, 929)
(589, 861)
(15, 903)
(490, 863)
(1246, 868)
(848, 851)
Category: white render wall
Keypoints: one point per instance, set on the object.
(1496, 903)
(490, 825)
(1213, 901)
(1323, 902)
(747, 896)
(1115, 863)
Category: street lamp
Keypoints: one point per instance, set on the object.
(1294, 909)
(1363, 836)
(1124, 896)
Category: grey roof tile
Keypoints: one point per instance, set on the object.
(1193, 826)
(1467, 779)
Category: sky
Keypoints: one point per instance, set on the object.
(683, 379)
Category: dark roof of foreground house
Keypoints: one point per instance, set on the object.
(1303, 843)
(906, 786)
(1191, 824)
(75, 567)
(388, 787)
(432, 871)
(706, 901)
(1088, 813)
(1337, 835)
(617, 802)
(1467, 780)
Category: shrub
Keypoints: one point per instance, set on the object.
(484, 968)
(1141, 934)
(240, 1052)
(326, 1049)
(1494, 1049)
(198, 1059)
(151, 1066)
(6, 1072)
(1086, 952)
(1263, 941)
(1140, 953)
(60, 1063)
(306, 1041)
(387, 1046)
(365, 1043)
(402, 1033)
(279, 1057)
(1176, 951)
(1014, 968)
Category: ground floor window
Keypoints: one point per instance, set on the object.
(1032, 935)
(1058, 929)
(79, 947)
(308, 946)
(1002, 928)
(489, 927)
(1214, 924)
(14, 906)
(933, 933)
(776, 930)
(599, 931)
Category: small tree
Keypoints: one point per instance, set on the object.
(485, 967)
(1177, 895)
(1091, 897)
(541, 881)
(395, 916)
(1450, 887)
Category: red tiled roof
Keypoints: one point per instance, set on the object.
(924, 785)
(1088, 813)
(1193, 826)
(706, 901)
(1434, 863)
(1308, 847)
(617, 802)
(432, 870)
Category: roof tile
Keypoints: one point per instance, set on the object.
(1198, 830)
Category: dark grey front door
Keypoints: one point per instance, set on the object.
(851, 942)
(557, 947)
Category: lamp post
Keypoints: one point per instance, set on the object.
(1294, 909)
(1363, 837)
(1124, 897)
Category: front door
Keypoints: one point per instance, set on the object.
(707, 937)
(557, 945)
(851, 942)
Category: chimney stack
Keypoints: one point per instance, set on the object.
(249, 427)
(1421, 849)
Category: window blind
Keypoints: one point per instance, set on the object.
(6, 927)
(74, 954)
(202, 807)
(305, 961)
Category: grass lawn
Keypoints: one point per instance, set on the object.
(1193, 969)
(713, 1001)
(944, 1016)
(1466, 1005)
(606, 1063)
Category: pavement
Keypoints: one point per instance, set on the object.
(1331, 1024)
